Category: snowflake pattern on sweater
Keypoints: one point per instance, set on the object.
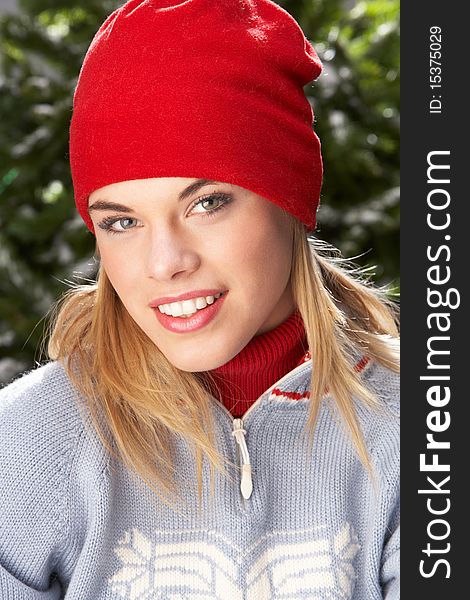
(278, 566)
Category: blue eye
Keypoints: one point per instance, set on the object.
(211, 204)
(118, 225)
(127, 223)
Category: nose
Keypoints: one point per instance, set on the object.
(171, 254)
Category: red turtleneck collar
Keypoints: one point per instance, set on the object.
(262, 362)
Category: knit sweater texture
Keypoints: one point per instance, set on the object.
(76, 524)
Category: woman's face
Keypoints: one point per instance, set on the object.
(214, 251)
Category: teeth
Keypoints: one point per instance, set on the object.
(176, 309)
(187, 307)
(201, 303)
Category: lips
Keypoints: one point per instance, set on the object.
(189, 307)
(185, 296)
(188, 314)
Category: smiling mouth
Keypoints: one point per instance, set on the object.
(188, 308)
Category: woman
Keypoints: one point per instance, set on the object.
(220, 418)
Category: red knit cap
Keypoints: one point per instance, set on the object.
(200, 88)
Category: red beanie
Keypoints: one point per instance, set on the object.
(199, 88)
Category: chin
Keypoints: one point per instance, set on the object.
(194, 360)
(197, 364)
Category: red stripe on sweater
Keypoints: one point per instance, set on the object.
(360, 366)
(290, 395)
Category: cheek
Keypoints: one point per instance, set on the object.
(276, 262)
(260, 251)
(121, 270)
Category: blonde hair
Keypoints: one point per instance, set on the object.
(138, 400)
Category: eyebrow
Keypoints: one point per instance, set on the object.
(188, 191)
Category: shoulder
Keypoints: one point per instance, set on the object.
(37, 384)
(51, 467)
(385, 385)
(43, 430)
(43, 400)
(381, 423)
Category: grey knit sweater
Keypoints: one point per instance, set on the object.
(76, 524)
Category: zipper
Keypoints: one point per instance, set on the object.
(246, 482)
(238, 432)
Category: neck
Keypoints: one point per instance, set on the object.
(263, 361)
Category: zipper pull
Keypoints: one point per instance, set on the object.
(246, 484)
